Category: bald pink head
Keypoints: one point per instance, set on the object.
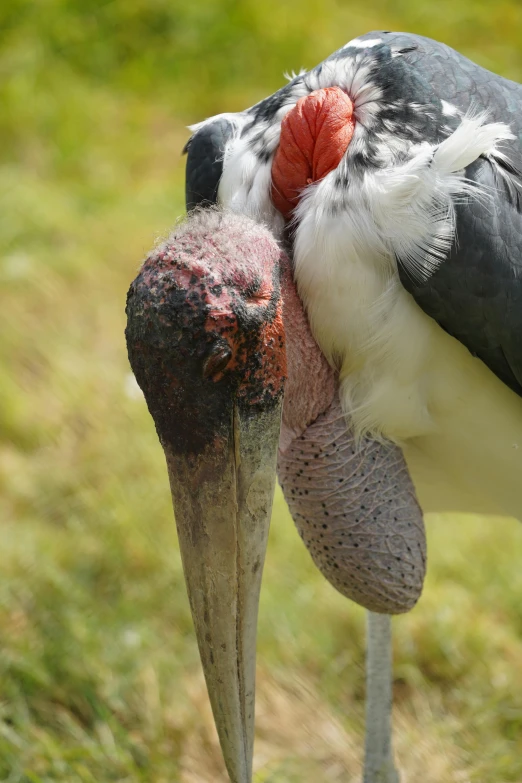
(205, 326)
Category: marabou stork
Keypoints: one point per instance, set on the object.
(392, 176)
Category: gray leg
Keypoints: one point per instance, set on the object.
(378, 761)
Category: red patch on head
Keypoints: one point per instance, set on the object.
(264, 377)
(314, 137)
(273, 370)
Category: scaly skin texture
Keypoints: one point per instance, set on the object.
(352, 501)
(355, 509)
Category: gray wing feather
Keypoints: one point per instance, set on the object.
(476, 293)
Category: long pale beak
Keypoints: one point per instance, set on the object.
(206, 342)
(222, 502)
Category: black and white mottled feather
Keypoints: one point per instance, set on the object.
(426, 201)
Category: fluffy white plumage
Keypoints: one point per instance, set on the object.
(365, 321)
(402, 377)
(345, 249)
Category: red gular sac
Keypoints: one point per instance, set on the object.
(205, 327)
(315, 135)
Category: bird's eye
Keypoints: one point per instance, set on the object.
(257, 292)
(217, 360)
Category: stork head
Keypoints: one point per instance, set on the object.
(206, 343)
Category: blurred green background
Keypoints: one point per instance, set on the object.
(99, 674)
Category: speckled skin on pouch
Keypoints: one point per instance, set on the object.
(355, 508)
(209, 315)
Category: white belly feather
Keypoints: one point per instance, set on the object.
(371, 329)
(345, 248)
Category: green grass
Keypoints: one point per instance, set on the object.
(99, 674)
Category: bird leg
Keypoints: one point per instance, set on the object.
(378, 762)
